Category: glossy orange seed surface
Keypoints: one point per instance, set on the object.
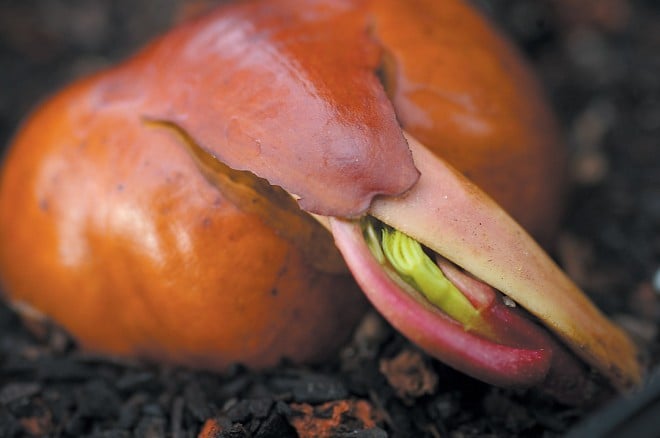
(109, 226)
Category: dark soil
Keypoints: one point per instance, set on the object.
(600, 61)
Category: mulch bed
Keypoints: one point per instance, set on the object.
(600, 61)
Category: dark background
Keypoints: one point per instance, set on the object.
(600, 63)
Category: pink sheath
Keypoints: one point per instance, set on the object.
(498, 364)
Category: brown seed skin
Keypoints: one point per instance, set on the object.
(467, 94)
(108, 226)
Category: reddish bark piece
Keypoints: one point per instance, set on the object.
(211, 429)
(332, 418)
(410, 375)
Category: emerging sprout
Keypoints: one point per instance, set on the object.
(407, 257)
